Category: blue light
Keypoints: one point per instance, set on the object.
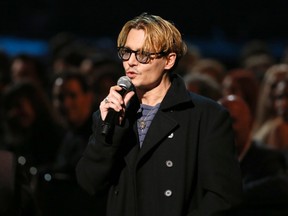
(14, 46)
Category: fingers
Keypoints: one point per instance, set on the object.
(115, 101)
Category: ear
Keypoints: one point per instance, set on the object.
(170, 61)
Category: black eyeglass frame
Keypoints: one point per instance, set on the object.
(147, 55)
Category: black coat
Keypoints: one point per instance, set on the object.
(186, 166)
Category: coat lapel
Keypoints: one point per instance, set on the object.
(161, 127)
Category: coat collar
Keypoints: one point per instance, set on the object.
(176, 95)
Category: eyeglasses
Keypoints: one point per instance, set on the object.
(141, 56)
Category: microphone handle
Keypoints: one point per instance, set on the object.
(110, 121)
(111, 118)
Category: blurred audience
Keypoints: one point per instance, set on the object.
(73, 99)
(265, 110)
(69, 58)
(187, 62)
(32, 130)
(211, 67)
(16, 195)
(57, 42)
(257, 57)
(204, 85)
(264, 171)
(274, 132)
(59, 193)
(243, 83)
(24, 66)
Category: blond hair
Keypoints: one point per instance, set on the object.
(160, 35)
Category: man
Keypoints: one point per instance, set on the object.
(171, 152)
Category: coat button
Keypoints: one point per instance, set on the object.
(169, 163)
(171, 136)
(168, 193)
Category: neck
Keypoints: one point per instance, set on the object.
(154, 95)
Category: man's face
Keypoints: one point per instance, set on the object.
(143, 76)
(72, 102)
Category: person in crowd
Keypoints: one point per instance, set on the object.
(167, 151)
(69, 57)
(24, 66)
(73, 100)
(59, 193)
(265, 110)
(210, 66)
(264, 171)
(256, 56)
(274, 132)
(33, 135)
(31, 127)
(56, 44)
(204, 85)
(243, 83)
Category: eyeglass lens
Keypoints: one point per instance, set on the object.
(125, 54)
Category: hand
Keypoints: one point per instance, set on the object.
(115, 101)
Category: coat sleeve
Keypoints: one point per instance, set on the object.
(95, 168)
(219, 171)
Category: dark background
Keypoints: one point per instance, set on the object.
(219, 28)
(238, 19)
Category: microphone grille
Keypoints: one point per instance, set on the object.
(125, 82)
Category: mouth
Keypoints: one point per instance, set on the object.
(131, 74)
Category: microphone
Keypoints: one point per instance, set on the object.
(125, 83)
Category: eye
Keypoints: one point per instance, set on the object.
(143, 56)
(125, 51)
